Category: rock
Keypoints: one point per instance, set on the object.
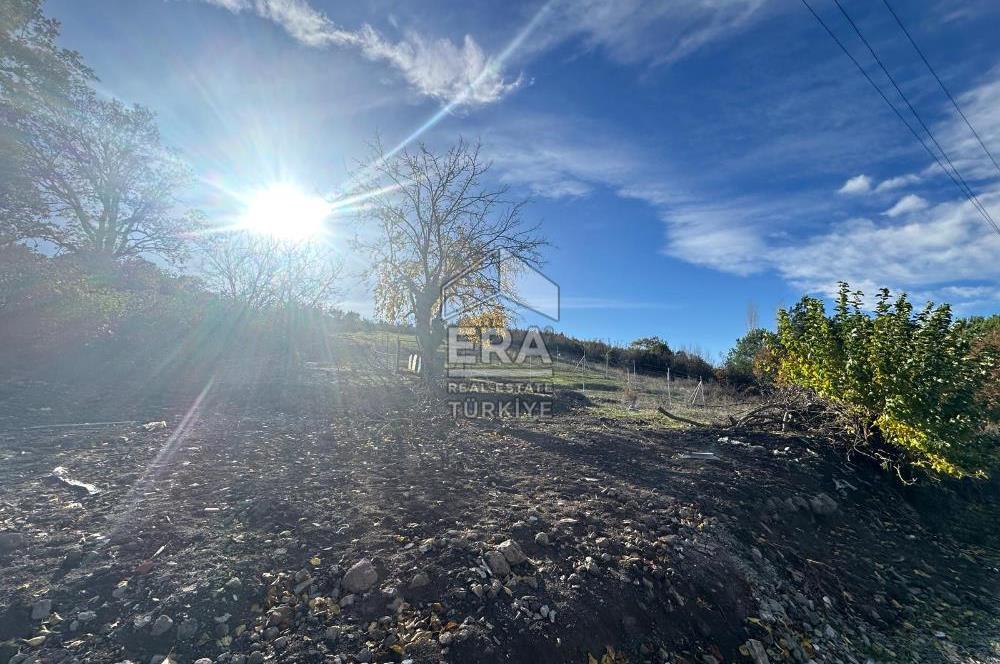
(542, 539)
(187, 629)
(757, 652)
(162, 625)
(234, 584)
(511, 550)
(823, 504)
(86, 616)
(280, 615)
(41, 609)
(364, 655)
(10, 541)
(203, 660)
(282, 642)
(420, 579)
(60, 475)
(497, 563)
(360, 577)
(256, 657)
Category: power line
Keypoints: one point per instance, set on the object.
(941, 83)
(902, 119)
(965, 187)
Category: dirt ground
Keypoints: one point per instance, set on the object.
(327, 515)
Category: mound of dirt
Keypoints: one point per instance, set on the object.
(336, 519)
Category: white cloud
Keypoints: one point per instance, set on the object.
(461, 74)
(948, 244)
(657, 32)
(982, 106)
(906, 205)
(859, 184)
(898, 182)
(554, 158)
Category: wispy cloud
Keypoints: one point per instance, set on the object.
(859, 184)
(655, 32)
(906, 205)
(459, 74)
(898, 182)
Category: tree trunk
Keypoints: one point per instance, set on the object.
(430, 331)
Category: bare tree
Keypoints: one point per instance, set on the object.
(435, 215)
(753, 318)
(107, 184)
(259, 272)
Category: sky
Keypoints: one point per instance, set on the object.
(687, 160)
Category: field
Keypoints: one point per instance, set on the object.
(238, 530)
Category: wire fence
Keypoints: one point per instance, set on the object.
(632, 389)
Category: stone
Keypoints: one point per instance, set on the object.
(187, 629)
(511, 550)
(757, 652)
(234, 584)
(280, 615)
(41, 609)
(361, 577)
(86, 616)
(420, 579)
(542, 539)
(497, 563)
(203, 660)
(364, 655)
(256, 657)
(162, 625)
(823, 504)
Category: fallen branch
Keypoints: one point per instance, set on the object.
(685, 420)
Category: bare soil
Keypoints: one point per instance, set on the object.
(239, 519)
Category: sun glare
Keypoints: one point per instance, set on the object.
(285, 212)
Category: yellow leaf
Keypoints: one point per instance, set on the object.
(315, 561)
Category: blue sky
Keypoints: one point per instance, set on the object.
(686, 159)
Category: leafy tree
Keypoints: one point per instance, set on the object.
(37, 78)
(435, 217)
(743, 360)
(908, 382)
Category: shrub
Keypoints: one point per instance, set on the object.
(743, 363)
(909, 384)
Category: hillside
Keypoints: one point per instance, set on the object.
(333, 514)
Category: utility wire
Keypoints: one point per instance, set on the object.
(895, 110)
(941, 83)
(966, 188)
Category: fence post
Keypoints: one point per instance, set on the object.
(670, 401)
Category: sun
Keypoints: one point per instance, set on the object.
(284, 211)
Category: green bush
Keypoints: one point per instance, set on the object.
(909, 383)
(742, 366)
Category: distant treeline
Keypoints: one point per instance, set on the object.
(648, 355)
